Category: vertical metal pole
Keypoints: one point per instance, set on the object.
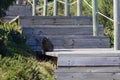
(79, 7)
(116, 25)
(67, 8)
(55, 8)
(34, 8)
(95, 17)
(45, 8)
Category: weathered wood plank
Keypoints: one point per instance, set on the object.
(81, 43)
(87, 76)
(21, 10)
(88, 61)
(89, 52)
(55, 20)
(61, 29)
(88, 69)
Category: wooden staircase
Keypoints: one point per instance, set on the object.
(65, 32)
(80, 56)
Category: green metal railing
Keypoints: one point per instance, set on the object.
(116, 24)
(116, 20)
(55, 6)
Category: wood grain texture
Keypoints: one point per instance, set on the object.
(35, 20)
(88, 76)
(88, 70)
(88, 61)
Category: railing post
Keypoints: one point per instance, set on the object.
(95, 17)
(67, 8)
(79, 7)
(45, 8)
(116, 25)
(55, 8)
(34, 8)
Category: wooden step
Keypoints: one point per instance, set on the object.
(87, 73)
(87, 64)
(86, 57)
(19, 10)
(77, 41)
(60, 30)
(52, 20)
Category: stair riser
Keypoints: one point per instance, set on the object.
(37, 20)
(21, 10)
(87, 73)
(61, 31)
(88, 69)
(72, 60)
(88, 76)
(89, 45)
(80, 43)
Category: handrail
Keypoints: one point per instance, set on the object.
(61, 2)
(73, 2)
(29, 2)
(105, 16)
(13, 20)
(87, 3)
(98, 11)
(116, 21)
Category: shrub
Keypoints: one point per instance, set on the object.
(21, 63)
(22, 68)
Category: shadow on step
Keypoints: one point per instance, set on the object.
(44, 57)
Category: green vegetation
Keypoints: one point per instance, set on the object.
(17, 60)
